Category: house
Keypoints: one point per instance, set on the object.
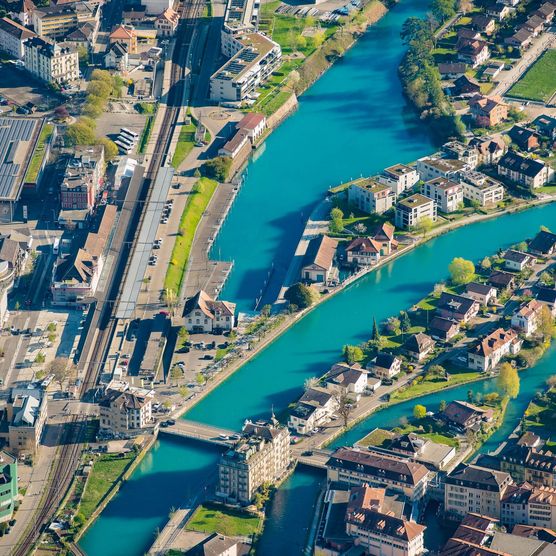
(383, 235)
(431, 167)
(318, 263)
(547, 296)
(488, 352)
(546, 12)
(52, 62)
(517, 261)
(54, 21)
(370, 196)
(217, 545)
(521, 39)
(413, 209)
(492, 71)
(483, 293)
(460, 151)
(356, 467)
(12, 37)
(314, 408)
(116, 57)
(204, 314)
(488, 111)
(526, 319)
(474, 489)
(22, 10)
(546, 126)
(346, 378)
(457, 307)
(534, 25)
(155, 7)
(529, 172)
(502, 280)
(363, 251)
(472, 537)
(443, 329)
(126, 410)
(465, 85)
(253, 124)
(239, 143)
(399, 178)
(13, 255)
(490, 149)
(133, 14)
(515, 503)
(473, 52)
(84, 36)
(452, 70)
(462, 416)
(125, 34)
(526, 139)
(422, 450)
(498, 11)
(483, 23)
(447, 194)
(544, 243)
(167, 23)
(418, 346)
(385, 366)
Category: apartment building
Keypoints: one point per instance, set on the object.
(532, 173)
(460, 151)
(12, 37)
(527, 318)
(399, 178)
(529, 464)
(55, 21)
(8, 486)
(314, 408)
(240, 18)
(489, 351)
(357, 467)
(482, 189)
(167, 23)
(447, 194)
(156, 7)
(431, 167)
(126, 409)
(204, 314)
(488, 111)
(262, 455)
(82, 178)
(474, 489)
(411, 210)
(52, 62)
(370, 196)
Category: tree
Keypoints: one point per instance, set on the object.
(492, 397)
(470, 396)
(300, 42)
(61, 113)
(170, 299)
(80, 133)
(336, 220)
(62, 370)
(546, 323)
(318, 39)
(266, 310)
(200, 379)
(546, 279)
(423, 226)
(110, 148)
(183, 334)
(299, 294)
(353, 354)
(405, 321)
(419, 411)
(461, 271)
(393, 325)
(345, 404)
(184, 391)
(521, 246)
(311, 382)
(486, 263)
(508, 380)
(442, 405)
(218, 168)
(437, 370)
(376, 340)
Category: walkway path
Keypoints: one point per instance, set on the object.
(168, 535)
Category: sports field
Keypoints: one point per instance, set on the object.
(539, 82)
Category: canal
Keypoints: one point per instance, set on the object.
(356, 122)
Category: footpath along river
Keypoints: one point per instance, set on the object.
(355, 121)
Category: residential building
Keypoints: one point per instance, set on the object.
(126, 410)
(521, 39)
(253, 59)
(499, 11)
(156, 7)
(462, 416)
(460, 151)
(363, 251)
(485, 294)
(134, 14)
(483, 23)
(345, 378)
(542, 507)
(385, 366)
(167, 23)
(240, 18)
(526, 139)
(51, 62)
(547, 296)
(318, 263)
(447, 194)
(534, 466)
(465, 85)
(501, 280)
(526, 319)
(457, 307)
(488, 111)
(55, 21)
(412, 210)
(117, 57)
(493, 70)
(534, 25)
(490, 149)
(452, 70)
(22, 10)
(399, 178)
(314, 408)
(203, 314)
(473, 52)
(422, 450)
(254, 124)
(546, 126)
(9, 492)
(124, 34)
(433, 167)
(358, 467)
(376, 531)
(525, 171)
(474, 489)
(383, 235)
(472, 537)
(24, 415)
(515, 503)
(482, 189)
(239, 143)
(370, 196)
(546, 12)
(262, 455)
(488, 352)
(12, 37)
(544, 243)
(418, 346)
(218, 545)
(517, 261)
(443, 329)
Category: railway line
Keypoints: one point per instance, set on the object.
(103, 323)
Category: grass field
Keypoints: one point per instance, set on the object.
(194, 208)
(186, 142)
(539, 83)
(38, 156)
(106, 470)
(215, 519)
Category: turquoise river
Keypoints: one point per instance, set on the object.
(353, 121)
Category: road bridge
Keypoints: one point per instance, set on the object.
(202, 432)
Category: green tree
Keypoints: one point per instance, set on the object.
(405, 321)
(266, 310)
(353, 354)
(393, 325)
(521, 246)
(80, 133)
(486, 263)
(461, 271)
(183, 334)
(419, 411)
(110, 148)
(437, 370)
(218, 168)
(546, 279)
(491, 397)
(508, 381)
(423, 226)
(300, 295)
(336, 220)
(546, 323)
(442, 405)
(200, 379)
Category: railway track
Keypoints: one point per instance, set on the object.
(69, 454)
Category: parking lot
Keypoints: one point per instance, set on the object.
(110, 123)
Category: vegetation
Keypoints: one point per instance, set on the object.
(419, 411)
(38, 155)
(62, 370)
(212, 518)
(300, 295)
(186, 142)
(508, 381)
(539, 82)
(217, 169)
(196, 204)
(146, 135)
(461, 271)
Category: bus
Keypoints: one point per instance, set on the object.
(125, 148)
(126, 140)
(56, 246)
(129, 133)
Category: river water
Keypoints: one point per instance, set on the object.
(353, 121)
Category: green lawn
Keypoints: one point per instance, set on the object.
(378, 437)
(209, 518)
(539, 82)
(400, 339)
(106, 469)
(38, 155)
(194, 208)
(186, 142)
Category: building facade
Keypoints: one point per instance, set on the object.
(52, 62)
(412, 210)
(447, 194)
